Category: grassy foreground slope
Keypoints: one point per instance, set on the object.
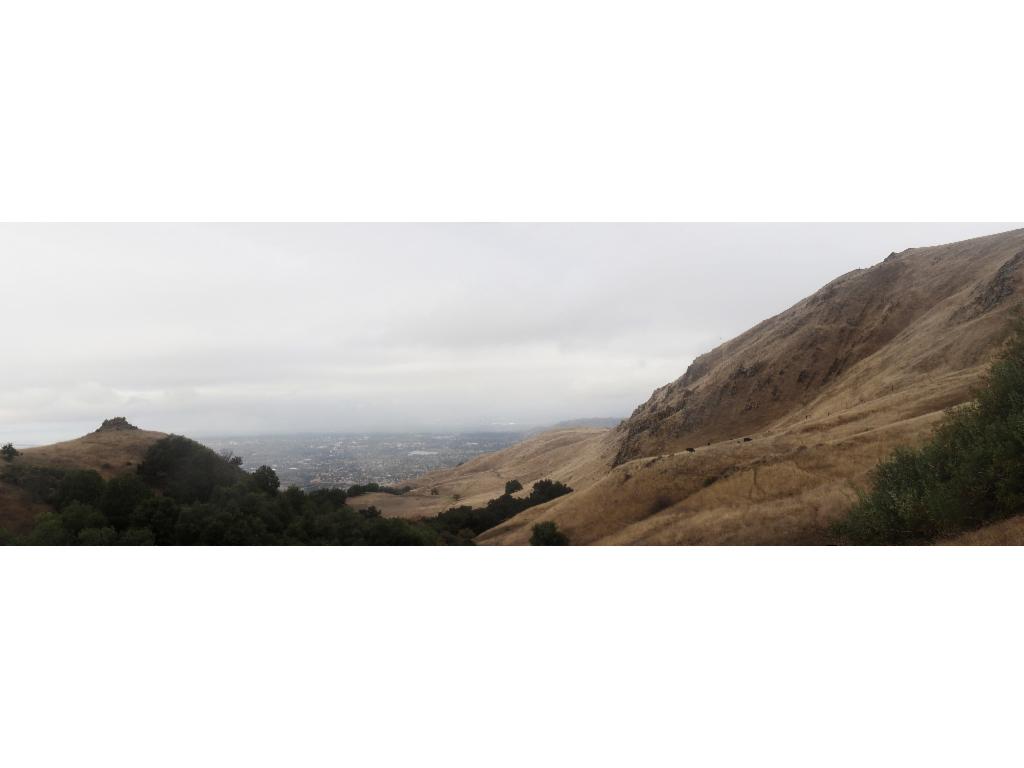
(788, 419)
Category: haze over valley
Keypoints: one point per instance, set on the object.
(260, 329)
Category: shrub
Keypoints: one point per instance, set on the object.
(548, 535)
(40, 483)
(547, 490)
(969, 474)
(9, 452)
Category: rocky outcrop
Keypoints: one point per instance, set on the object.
(922, 312)
(117, 424)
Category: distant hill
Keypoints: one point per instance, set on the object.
(116, 448)
(591, 423)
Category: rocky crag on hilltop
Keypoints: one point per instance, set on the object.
(116, 424)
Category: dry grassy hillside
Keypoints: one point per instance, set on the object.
(577, 456)
(112, 450)
(821, 391)
(921, 314)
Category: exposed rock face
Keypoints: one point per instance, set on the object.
(117, 424)
(925, 312)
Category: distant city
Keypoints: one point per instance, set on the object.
(312, 461)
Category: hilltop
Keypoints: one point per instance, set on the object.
(115, 449)
(764, 439)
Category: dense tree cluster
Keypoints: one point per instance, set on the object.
(362, 490)
(969, 474)
(185, 494)
(548, 535)
(467, 522)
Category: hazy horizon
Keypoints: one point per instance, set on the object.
(261, 329)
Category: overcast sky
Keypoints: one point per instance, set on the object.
(264, 328)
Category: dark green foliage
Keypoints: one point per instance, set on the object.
(185, 494)
(266, 480)
(547, 490)
(969, 474)
(77, 516)
(362, 490)
(9, 452)
(459, 521)
(158, 514)
(85, 486)
(120, 498)
(97, 537)
(230, 458)
(41, 483)
(548, 535)
(513, 486)
(187, 471)
(49, 531)
(137, 537)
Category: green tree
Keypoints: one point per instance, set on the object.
(266, 480)
(9, 452)
(120, 498)
(77, 516)
(186, 470)
(548, 535)
(85, 486)
(158, 514)
(513, 486)
(49, 531)
(97, 537)
(137, 537)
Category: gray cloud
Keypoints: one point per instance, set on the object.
(252, 328)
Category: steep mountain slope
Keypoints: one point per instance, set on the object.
(822, 391)
(923, 313)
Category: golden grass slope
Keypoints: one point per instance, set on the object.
(823, 391)
(578, 456)
(919, 315)
(109, 453)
